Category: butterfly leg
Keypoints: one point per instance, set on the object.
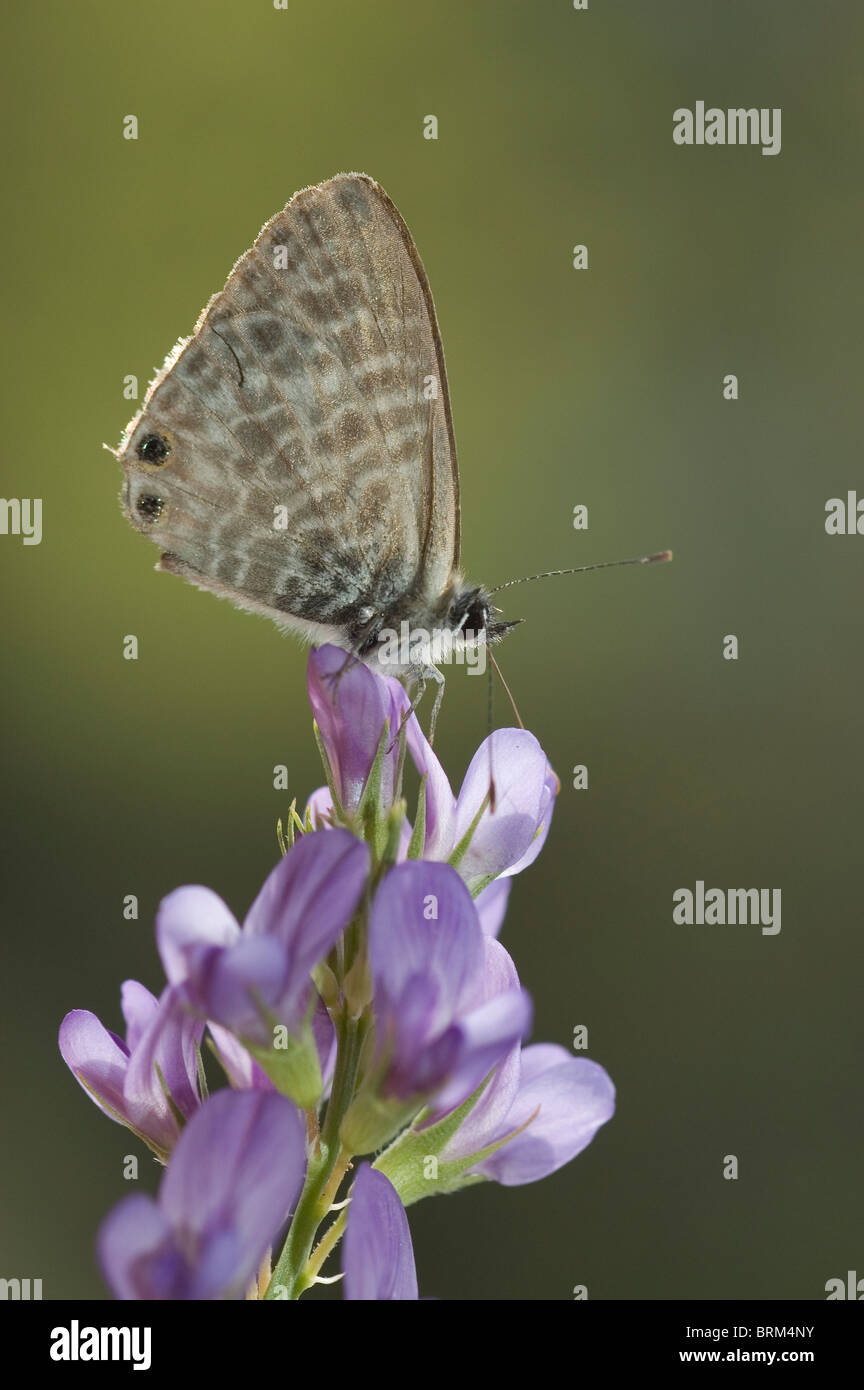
(437, 676)
(422, 674)
(419, 676)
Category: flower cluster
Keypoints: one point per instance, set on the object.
(367, 1018)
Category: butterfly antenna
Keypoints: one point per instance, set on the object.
(497, 668)
(509, 692)
(659, 558)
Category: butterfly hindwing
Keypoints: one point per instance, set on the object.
(296, 454)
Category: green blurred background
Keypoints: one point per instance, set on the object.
(601, 387)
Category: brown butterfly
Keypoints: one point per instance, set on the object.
(296, 454)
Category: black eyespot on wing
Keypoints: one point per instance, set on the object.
(150, 508)
(153, 449)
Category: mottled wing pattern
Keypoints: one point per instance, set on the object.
(296, 454)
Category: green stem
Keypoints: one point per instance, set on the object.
(317, 1194)
(324, 1248)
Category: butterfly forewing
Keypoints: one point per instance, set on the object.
(296, 454)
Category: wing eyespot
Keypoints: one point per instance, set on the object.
(153, 448)
(149, 508)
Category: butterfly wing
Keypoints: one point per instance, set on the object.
(296, 454)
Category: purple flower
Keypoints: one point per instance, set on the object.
(245, 1074)
(235, 1173)
(351, 709)
(377, 1256)
(424, 1001)
(447, 1001)
(249, 979)
(351, 705)
(491, 905)
(504, 841)
(238, 1064)
(129, 1080)
(551, 1102)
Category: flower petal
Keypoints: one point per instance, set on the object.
(487, 1035)
(487, 1119)
(97, 1060)
(572, 1096)
(496, 1014)
(138, 1006)
(320, 804)
(424, 923)
(167, 1046)
(240, 987)
(491, 905)
(551, 787)
(238, 1064)
(351, 704)
(237, 978)
(137, 1253)
(440, 801)
(311, 895)
(238, 1167)
(189, 921)
(505, 837)
(377, 1255)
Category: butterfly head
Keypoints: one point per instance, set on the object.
(473, 614)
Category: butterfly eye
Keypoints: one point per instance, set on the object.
(150, 507)
(153, 449)
(469, 611)
(478, 617)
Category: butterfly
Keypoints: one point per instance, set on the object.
(296, 454)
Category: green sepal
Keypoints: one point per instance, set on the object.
(328, 772)
(403, 749)
(203, 1088)
(418, 834)
(368, 814)
(407, 1160)
(176, 1113)
(394, 821)
(295, 1070)
(461, 849)
(357, 986)
(286, 835)
(326, 984)
(284, 845)
(477, 885)
(372, 1120)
